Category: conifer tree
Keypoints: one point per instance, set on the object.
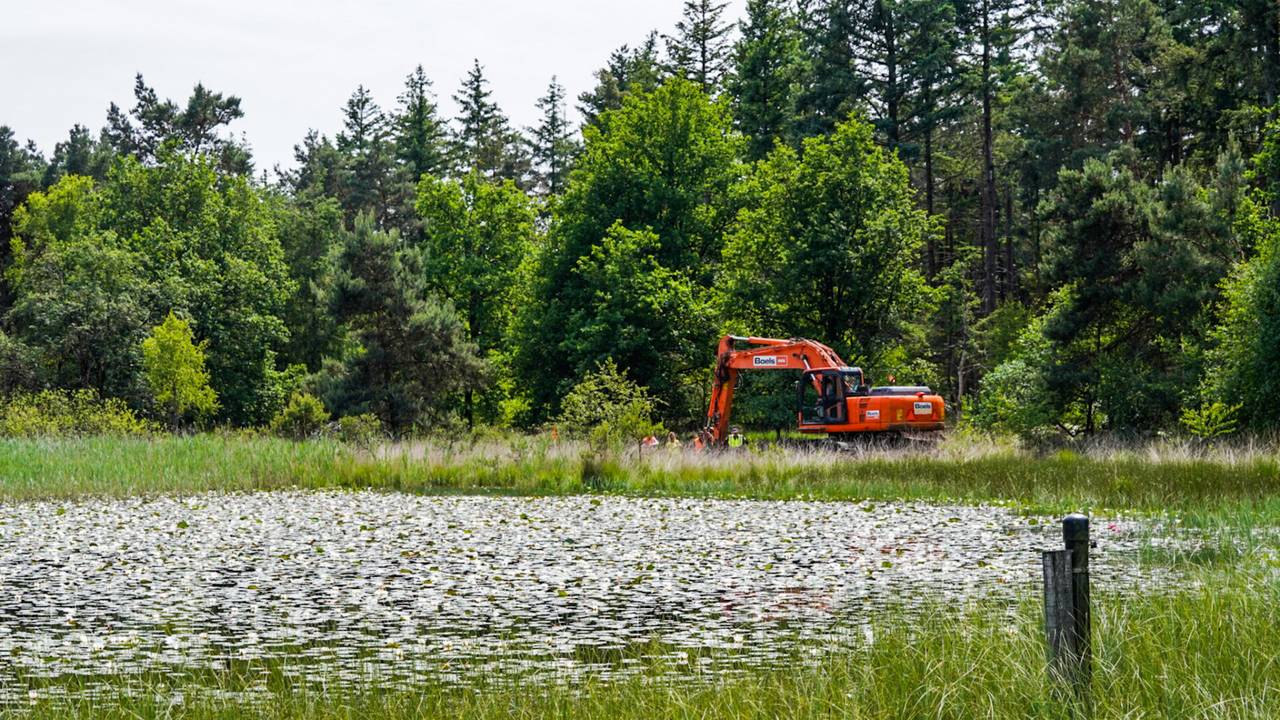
(700, 49)
(831, 88)
(627, 71)
(364, 145)
(484, 140)
(767, 67)
(553, 143)
(420, 138)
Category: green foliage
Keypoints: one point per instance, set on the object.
(310, 229)
(476, 233)
(484, 141)
(364, 180)
(410, 351)
(1014, 395)
(639, 313)
(650, 193)
(95, 267)
(1140, 266)
(553, 145)
(1211, 420)
(154, 127)
(628, 71)
(175, 370)
(1246, 350)
(1082, 164)
(699, 50)
(303, 417)
(421, 141)
(825, 247)
(364, 430)
(767, 66)
(608, 406)
(57, 413)
(19, 367)
(80, 298)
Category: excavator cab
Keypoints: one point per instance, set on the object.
(821, 394)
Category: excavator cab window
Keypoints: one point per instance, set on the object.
(853, 382)
(821, 396)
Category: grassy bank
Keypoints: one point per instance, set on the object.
(1205, 652)
(1235, 484)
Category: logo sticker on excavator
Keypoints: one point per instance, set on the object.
(923, 408)
(873, 414)
(761, 361)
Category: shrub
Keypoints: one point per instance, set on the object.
(1211, 420)
(174, 364)
(18, 367)
(303, 417)
(362, 430)
(607, 406)
(54, 413)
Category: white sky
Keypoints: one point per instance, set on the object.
(293, 63)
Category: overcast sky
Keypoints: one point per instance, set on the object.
(293, 63)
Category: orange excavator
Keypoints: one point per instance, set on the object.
(831, 397)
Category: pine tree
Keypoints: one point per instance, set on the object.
(700, 49)
(484, 140)
(998, 31)
(153, 123)
(831, 87)
(767, 68)
(419, 133)
(553, 143)
(627, 71)
(364, 145)
(20, 171)
(414, 349)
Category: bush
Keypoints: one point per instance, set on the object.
(607, 407)
(362, 430)
(303, 417)
(19, 368)
(1211, 420)
(57, 413)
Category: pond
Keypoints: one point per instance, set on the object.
(393, 589)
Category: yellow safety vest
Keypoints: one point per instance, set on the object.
(735, 441)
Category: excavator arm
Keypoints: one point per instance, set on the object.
(759, 354)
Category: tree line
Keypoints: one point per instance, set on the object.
(1061, 213)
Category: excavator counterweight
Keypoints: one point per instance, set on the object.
(831, 397)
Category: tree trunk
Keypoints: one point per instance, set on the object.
(893, 99)
(1010, 266)
(931, 246)
(987, 228)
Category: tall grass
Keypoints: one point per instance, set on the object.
(1114, 479)
(1206, 652)
(1241, 485)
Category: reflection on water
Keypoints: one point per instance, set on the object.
(362, 588)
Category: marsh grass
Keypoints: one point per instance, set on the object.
(1227, 484)
(1208, 651)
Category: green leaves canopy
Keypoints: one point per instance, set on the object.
(825, 248)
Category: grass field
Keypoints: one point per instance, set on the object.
(1236, 485)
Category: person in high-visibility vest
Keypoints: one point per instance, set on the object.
(736, 440)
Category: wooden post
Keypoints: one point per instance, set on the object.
(1057, 613)
(1075, 535)
(1066, 609)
